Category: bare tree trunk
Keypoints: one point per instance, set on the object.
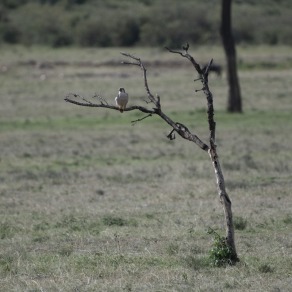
(234, 96)
(224, 198)
(226, 203)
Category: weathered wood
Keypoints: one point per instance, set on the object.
(226, 203)
(223, 196)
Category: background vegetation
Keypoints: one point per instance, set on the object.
(94, 23)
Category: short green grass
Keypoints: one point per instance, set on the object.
(90, 203)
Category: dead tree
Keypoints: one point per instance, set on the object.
(181, 130)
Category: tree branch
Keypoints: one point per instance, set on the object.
(189, 57)
(179, 128)
(103, 105)
(141, 119)
(155, 101)
(203, 76)
(182, 130)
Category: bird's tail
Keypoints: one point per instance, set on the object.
(121, 110)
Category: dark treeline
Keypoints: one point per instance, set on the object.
(102, 23)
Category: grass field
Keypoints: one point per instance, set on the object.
(90, 203)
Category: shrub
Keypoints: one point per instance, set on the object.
(10, 34)
(61, 39)
(126, 32)
(173, 27)
(220, 254)
(13, 4)
(239, 223)
(40, 25)
(147, 22)
(112, 220)
(94, 33)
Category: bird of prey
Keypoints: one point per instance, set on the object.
(122, 99)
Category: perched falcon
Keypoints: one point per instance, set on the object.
(122, 99)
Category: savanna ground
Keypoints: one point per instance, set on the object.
(90, 203)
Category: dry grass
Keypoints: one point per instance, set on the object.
(90, 203)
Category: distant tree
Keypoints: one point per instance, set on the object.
(234, 96)
(210, 147)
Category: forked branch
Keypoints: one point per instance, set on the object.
(203, 76)
(138, 62)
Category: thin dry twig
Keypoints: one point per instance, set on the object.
(203, 76)
(139, 63)
(185, 54)
(141, 119)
